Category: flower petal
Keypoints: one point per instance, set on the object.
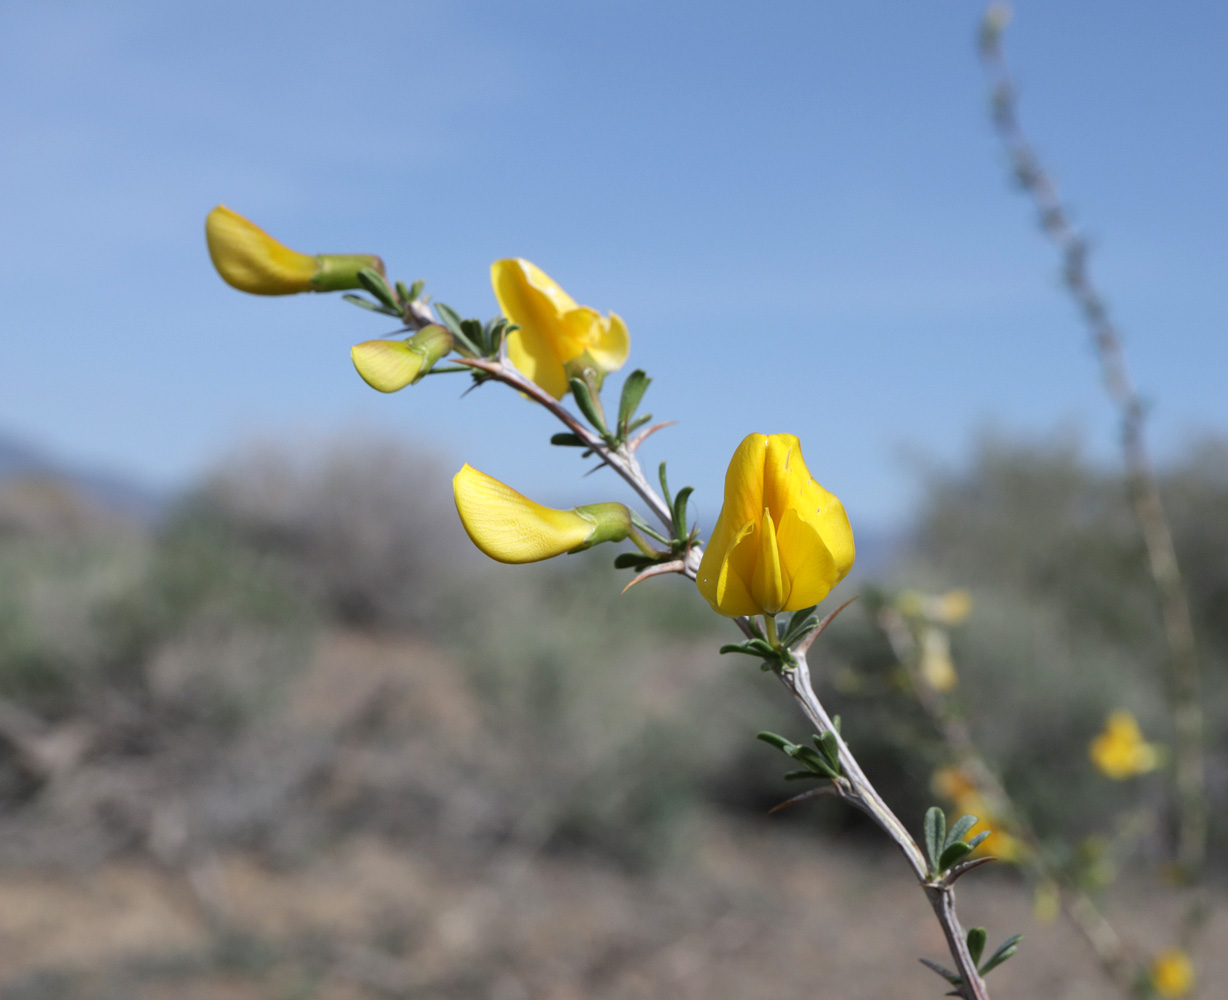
(250, 260)
(612, 346)
(768, 585)
(386, 365)
(807, 563)
(511, 528)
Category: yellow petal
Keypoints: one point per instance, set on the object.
(579, 330)
(768, 586)
(611, 348)
(511, 528)
(807, 563)
(250, 259)
(528, 297)
(725, 574)
(1172, 973)
(386, 365)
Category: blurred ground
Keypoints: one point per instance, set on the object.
(745, 908)
(287, 743)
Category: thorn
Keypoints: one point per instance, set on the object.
(643, 435)
(801, 648)
(813, 793)
(965, 867)
(676, 566)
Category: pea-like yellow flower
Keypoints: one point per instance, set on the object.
(1120, 752)
(389, 365)
(556, 335)
(511, 528)
(250, 260)
(954, 785)
(781, 541)
(1172, 973)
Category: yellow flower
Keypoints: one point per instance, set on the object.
(250, 259)
(511, 528)
(1120, 752)
(954, 785)
(389, 365)
(781, 541)
(936, 666)
(1172, 973)
(555, 334)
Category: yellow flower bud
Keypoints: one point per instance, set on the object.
(511, 528)
(389, 365)
(781, 541)
(250, 260)
(1120, 752)
(1172, 973)
(556, 335)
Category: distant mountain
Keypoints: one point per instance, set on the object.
(117, 493)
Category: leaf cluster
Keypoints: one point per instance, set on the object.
(947, 848)
(977, 938)
(821, 761)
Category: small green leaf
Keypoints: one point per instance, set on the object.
(977, 937)
(638, 422)
(451, 319)
(665, 487)
(979, 839)
(403, 292)
(584, 400)
(953, 854)
(567, 440)
(935, 834)
(680, 501)
(800, 775)
(835, 723)
(1005, 951)
(632, 560)
(943, 971)
(634, 388)
(959, 828)
(774, 739)
(831, 748)
(415, 290)
(358, 300)
(377, 285)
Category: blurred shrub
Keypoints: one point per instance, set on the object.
(364, 525)
(1065, 625)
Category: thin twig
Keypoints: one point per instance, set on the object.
(1184, 682)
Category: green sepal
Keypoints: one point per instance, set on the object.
(567, 441)
(752, 647)
(1005, 951)
(953, 854)
(377, 285)
(935, 834)
(960, 827)
(584, 400)
(977, 937)
(634, 387)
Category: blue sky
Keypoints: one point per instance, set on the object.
(800, 211)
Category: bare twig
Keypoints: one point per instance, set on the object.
(1184, 683)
